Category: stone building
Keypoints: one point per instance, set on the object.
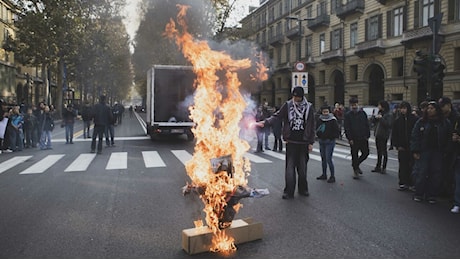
(354, 48)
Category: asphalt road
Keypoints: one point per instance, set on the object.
(118, 207)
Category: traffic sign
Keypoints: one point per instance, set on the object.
(300, 79)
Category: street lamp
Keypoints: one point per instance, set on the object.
(299, 20)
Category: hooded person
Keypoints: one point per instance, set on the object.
(298, 131)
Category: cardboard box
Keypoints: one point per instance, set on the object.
(198, 240)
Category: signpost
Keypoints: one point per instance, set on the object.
(300, 79)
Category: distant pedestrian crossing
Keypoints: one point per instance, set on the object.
(151, 159)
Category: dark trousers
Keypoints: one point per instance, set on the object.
(98, 132)
(429, 174)
(109, 135)
(260, 139)
(296, 164)
(382, 153)
(405, 167)
(278, 143)
(359, 146)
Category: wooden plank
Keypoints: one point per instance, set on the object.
(198, 240)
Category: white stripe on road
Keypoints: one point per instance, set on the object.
(117, 161)
(81, 163)
(256, 159)
(6, 165)
(280, 156)
(43, 165)
(152, 159)
(182, 155)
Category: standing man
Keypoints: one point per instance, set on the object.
(357, 131)
(86, 117)
(298, 117)
(383, 123)
(102, 116)
(68, 119)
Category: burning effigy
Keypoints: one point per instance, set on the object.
(218, 169)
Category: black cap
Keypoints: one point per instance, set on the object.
(353, 100)
(444, 101)
(298, 92)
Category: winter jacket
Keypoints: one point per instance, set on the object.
(330, 129)
(309, 124)
(86, 113)
(102, 114)
(421, 140)
(383, 125)
(356, 125)
(402, 130)
(47, 122)
(68, 116)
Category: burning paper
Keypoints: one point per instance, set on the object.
(217, 110)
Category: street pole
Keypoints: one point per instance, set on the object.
(300, 41)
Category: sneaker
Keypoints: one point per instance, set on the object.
(417, 198)
(8, 151)
(412, 188)
(402, 187)
(355, 174)
(322, 177)
(331, 179)
(287, 196)
(455, 209)
(304, 193)
(432, 200)
(92, 151)
(376, 169)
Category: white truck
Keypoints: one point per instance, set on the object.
(169, 94)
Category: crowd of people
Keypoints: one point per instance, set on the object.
(426, 137)
(27, 126)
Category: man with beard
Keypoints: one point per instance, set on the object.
(357, 131)
(299, 134)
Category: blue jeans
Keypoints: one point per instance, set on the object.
(109, 132)
(45, 140)
(296, 164)
(68, 132)
(428, 175)
(326, 148)
(86, 126)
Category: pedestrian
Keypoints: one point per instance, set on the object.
(327, 131)
(357, 131)
(448, 177)
(68, 120)
(30, 125)
(131, 112)
(400, 137)
(17, 130)
(86, 117)
(277, 127)
(4, 120)
(267, 128)
(383, 122)
(110, 130)
(298, 117)
(456, 152)
(47, 126)
(101, 115)
(339, 113)
(260, 117)
(431, 140)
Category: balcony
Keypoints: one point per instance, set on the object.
(332, 56)
(353, 7)
(310, 61)
(370, 47)
(320, 21)
(263, 45)
(293, 33)
(383, 2)
(416, 35)
(284, 66)
(276, 40)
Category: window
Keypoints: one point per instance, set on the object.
(279, 54)
(336, 39)
(278, 29)
(280, 9)
(322, 8)
(354, 72)
(457, 59)
(427, 11)
(334, 5)
(395, 20)
(270, 32)
(287, 6)
(322, 43)
(309, 11)
(288, 52)
(373, 28)
(454, 10)
(271, 14)
(308, 46)
(397, 67)
(353, 34)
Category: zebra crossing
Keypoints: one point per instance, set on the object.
(151, 159)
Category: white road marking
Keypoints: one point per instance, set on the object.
(43, 165)
(182, 155)
(6, 165)
(152, 159)
(117, 161)
(81, 163)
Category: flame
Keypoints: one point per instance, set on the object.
(217, 111)
(262, 70)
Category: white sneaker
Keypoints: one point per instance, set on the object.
(8, 151)
(455, 209)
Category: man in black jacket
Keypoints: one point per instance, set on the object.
(299, 134)
(102, 116)
(357, 131)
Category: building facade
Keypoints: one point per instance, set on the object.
(354, 48)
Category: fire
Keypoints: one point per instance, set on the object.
(217, 111)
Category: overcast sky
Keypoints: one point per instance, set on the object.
(132, 18)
